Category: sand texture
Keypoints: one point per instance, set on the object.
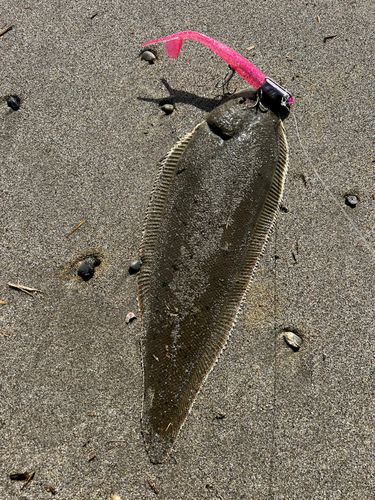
(270, 422)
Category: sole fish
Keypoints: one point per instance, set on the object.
(211, 212)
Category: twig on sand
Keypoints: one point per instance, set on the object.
(329, 37)
(75, 229)
(24, 288)
(29, 478)
(5, 31)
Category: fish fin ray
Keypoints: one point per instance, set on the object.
(155, 212)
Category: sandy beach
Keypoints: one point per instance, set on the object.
(84, 147)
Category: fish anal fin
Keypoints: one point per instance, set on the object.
(154, 214)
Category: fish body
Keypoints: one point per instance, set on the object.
(211, 212)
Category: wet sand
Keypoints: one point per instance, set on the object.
(84, 146)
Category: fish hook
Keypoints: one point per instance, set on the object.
(225, 84)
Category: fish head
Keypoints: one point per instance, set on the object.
(235, 114)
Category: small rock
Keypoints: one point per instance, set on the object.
(135, 267)
(167, 108)
(292, 340)
(351, 200)
(130, 317)
(86, 269)
(19, 476)
(148, 56)
(220, 416)
(14, 102)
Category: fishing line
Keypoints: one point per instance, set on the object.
(329, 192)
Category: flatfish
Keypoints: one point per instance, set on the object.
(211, 212)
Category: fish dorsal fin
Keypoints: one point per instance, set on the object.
(155, 211)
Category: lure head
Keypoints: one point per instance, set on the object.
(276, 98)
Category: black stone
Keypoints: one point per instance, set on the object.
(14, 102)
(18, 476)
(135, 267)
(86, 269)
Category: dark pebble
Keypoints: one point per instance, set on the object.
(351, 200)
(135, 267)
(18, 476)
(167, 108)
(14, 102)
(220, 416)
(86, 269)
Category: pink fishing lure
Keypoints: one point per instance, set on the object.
(271, 94)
